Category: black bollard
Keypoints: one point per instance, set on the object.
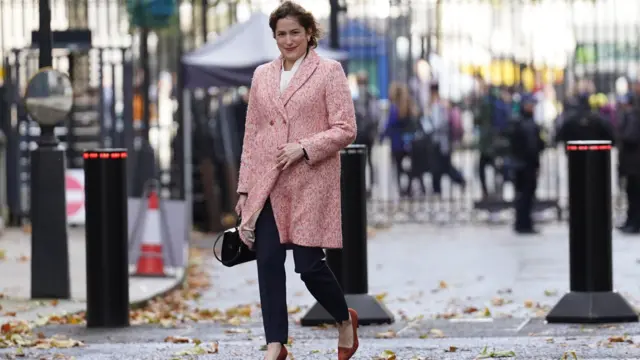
(50, 277)
(106, 230)
(49, 248)
(353, 265)
(591, 298)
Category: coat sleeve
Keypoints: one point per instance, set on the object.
(341, 119)
(248, 144)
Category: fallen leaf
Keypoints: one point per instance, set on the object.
(3, 254)
(620, 339)
(64, 343)
(443, 285)
(566, 354)
(470, 310)
(386, 335)
(485, 354)
(294, 310)
(497, 301)
(177, 339)
(380, 297)
(452, 349)
(436, 333)
(386, 355)
(551, 292)
(528, 304)
(201, 349)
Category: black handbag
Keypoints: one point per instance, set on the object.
(233, 251)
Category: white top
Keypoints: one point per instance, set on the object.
(286, 76)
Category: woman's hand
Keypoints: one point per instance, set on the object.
(289, 154)
(240, 205)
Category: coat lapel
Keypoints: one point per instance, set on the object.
(308, 66)
(274, 86)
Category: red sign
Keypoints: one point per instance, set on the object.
(75, 195)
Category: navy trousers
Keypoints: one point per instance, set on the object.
(313, 270)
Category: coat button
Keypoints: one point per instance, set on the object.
(271, 122)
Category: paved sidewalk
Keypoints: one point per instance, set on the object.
(450, 271)
(15, 282)
(454, 290)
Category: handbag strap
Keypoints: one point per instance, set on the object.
(215, 246)
(221, 237)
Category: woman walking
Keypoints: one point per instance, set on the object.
(400, 129)
(300, 116)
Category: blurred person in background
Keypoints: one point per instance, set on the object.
(584, 122)
(491, 121)
(367, 115)
(608, 109)
(526, 148)
(545, 111)
(400, 128)
(436, 122)
(629, 159)
(419, 84)
(482, 106)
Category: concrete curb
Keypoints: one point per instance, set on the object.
(75, 307)
(143, 302)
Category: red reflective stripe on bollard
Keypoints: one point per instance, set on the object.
(105, 155)
(590, 147)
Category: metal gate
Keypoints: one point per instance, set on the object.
(102, 116)
(99, 116)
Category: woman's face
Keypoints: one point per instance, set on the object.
(292, 38)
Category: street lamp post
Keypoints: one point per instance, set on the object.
(45, 56)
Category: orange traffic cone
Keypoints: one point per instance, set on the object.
(151, 261)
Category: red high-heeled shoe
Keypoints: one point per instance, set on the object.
(347, 353)
(283, 353)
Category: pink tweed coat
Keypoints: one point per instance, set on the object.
(315, 110)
